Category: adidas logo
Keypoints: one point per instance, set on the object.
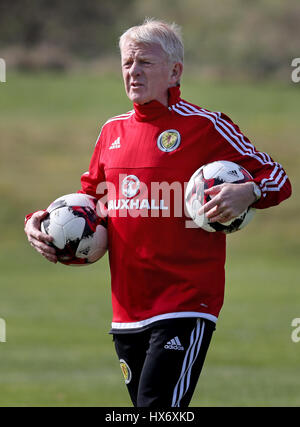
(115, 144)
(174, 344)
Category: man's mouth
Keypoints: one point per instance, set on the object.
(136, 84)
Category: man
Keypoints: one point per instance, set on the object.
(167, 279)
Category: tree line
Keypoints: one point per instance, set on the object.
(258, 38)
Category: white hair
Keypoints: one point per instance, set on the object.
(168, 36)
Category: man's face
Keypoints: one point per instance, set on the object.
(147, 73)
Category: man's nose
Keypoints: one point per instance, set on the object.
(135, 69)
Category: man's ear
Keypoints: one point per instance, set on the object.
(176, 73)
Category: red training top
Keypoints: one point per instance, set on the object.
(161, 267)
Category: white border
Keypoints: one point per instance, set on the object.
(146, 322)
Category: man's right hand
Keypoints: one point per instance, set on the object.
(38, 240)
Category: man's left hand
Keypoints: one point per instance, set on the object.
(227, 201)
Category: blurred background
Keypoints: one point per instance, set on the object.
(62, 83)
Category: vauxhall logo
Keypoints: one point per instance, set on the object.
(133, 197)
(130, 188)
(136, 204)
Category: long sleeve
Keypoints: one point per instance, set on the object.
(268, 174)
(95, 175)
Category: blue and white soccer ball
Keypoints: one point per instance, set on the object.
(207, 176)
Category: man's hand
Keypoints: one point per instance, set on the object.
(227, 201)
(38, 240)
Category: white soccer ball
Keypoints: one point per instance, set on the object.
(207, 176)
(77, 230)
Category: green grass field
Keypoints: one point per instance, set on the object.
(58, 350)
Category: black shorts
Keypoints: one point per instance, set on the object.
(161, 365)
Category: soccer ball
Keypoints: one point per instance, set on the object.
(207, 176)
(79, 237)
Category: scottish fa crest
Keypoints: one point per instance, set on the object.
(126, 371)
(168, 140)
